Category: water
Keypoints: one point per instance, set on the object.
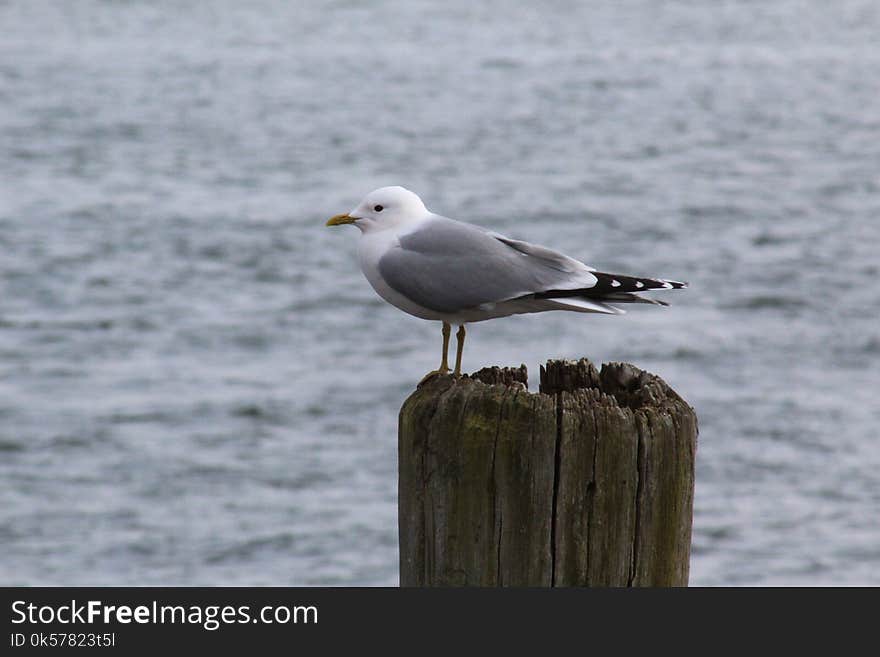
(198, 386)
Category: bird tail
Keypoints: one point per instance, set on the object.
(616, 288)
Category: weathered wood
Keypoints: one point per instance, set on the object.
(587, 483)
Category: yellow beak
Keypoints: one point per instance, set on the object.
(340, 219)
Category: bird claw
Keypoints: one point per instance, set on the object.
(431, 375)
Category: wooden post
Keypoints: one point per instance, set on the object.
(589, 482)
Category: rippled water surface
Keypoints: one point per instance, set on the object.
(198, 387)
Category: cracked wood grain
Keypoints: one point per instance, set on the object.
(588, 482)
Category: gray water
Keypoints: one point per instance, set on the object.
(199, 387)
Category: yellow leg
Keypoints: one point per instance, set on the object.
(444, 362)
(459, 336)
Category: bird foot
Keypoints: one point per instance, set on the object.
(430, 375)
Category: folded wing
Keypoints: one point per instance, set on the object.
(448, 266)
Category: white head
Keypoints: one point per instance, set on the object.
(383, 208)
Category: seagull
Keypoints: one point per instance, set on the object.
(437, 268)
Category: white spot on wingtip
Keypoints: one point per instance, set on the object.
(615, 283)
(639, 284)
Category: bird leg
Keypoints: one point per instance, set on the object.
(444, 363)
(459, 336)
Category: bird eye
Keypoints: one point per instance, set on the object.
(378, 208)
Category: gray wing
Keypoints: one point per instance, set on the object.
(448, 266)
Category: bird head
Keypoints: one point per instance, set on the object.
(383, 208)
